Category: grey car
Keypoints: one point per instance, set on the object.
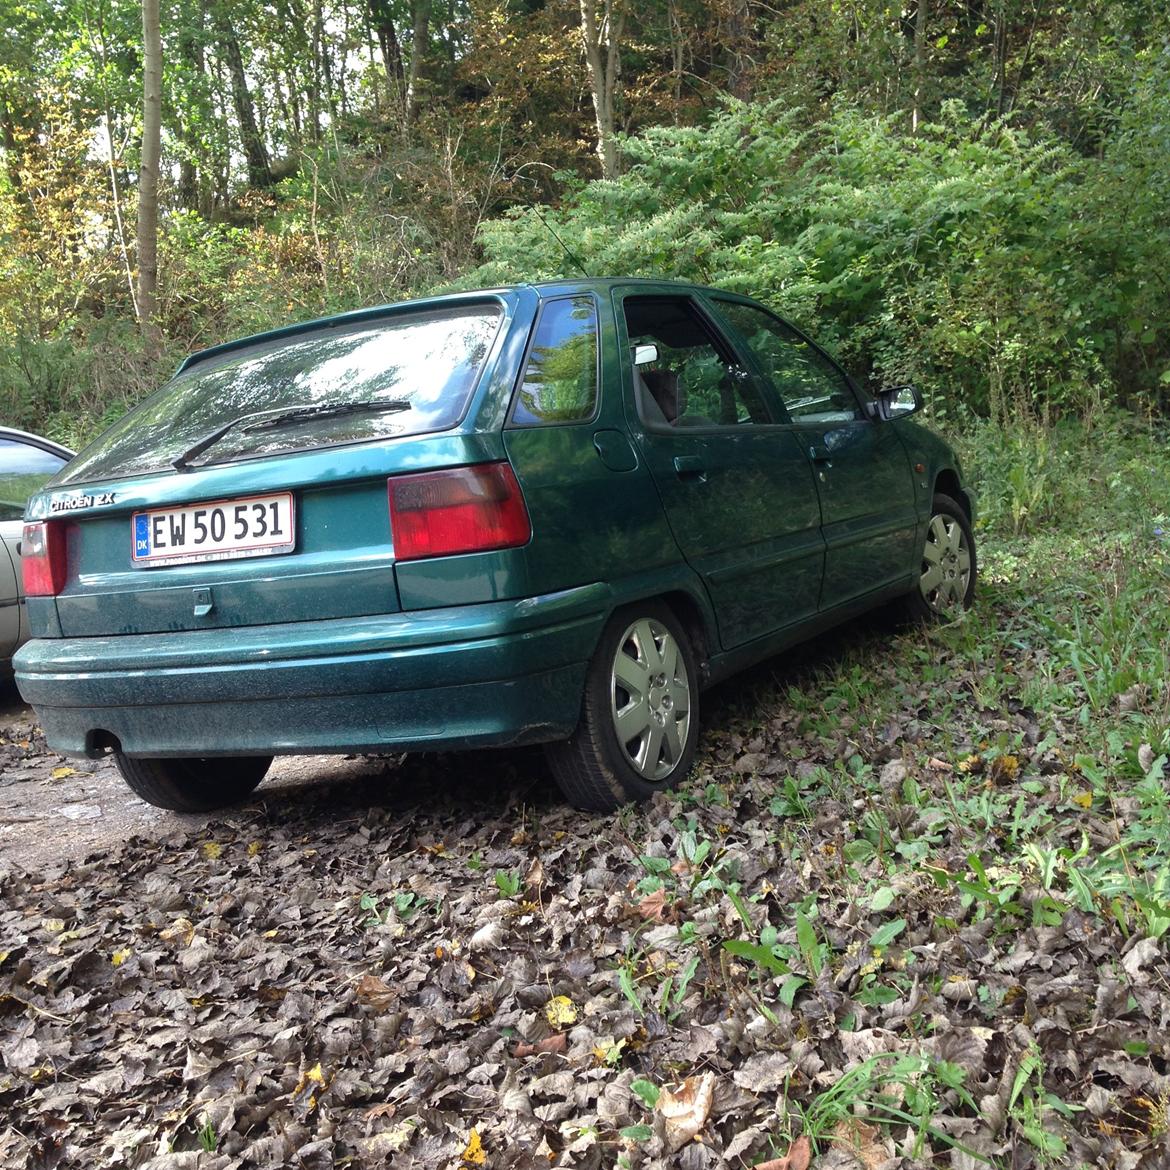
(26, 463)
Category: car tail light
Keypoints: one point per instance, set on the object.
(457, 510)
(42, 552)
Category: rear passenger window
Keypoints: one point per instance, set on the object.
(560, 380)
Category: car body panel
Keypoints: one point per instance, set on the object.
(340, 645)
(15, 483)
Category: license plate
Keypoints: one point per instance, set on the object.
(226, 530)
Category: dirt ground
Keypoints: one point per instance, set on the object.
(55, 810)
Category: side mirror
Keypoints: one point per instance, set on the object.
(894, 402)
(645, 355)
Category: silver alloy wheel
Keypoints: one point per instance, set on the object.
(946, 565)
(650, 698)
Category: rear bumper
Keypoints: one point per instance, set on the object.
(499, 673)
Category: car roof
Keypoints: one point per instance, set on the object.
(542, 288)
(36, 441)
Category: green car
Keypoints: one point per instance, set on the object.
(552, 514)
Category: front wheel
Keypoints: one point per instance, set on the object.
(640, 716)
(194, 783)
(946, 580)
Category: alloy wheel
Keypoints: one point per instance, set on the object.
(650, 699)
(946, 565)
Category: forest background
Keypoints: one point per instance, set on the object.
(973, 194)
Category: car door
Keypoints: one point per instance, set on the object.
(735, 484)
(862, 472)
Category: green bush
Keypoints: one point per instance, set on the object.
(968, 258)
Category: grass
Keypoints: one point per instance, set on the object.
(1036, 733)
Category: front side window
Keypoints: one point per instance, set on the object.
(403, 374)
(560, 379)
(23, 469)
(812, 389)
(691, 379)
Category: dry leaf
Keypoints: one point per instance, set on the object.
(375, 993)
(862, 1141)
(798, 1157)
(212, 850)
(554, 1043)
(182, 929)
(938, 765)
(119, 957)
(560, 1011)
(684, 1109)
(474, 1155)
(653, 906)
(61, 773)
(534, 878)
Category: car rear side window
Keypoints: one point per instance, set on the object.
(560, 378)
(402, 374)
(23, 469)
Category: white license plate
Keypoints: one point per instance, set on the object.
(226, 530)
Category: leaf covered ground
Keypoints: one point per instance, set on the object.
(911, 909)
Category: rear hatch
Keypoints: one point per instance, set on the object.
(253, 487)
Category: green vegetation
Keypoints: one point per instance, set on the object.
(970, 195)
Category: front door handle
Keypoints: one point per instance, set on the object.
(820, 455)
(690, 467)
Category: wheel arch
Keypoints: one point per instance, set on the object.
(947, 483)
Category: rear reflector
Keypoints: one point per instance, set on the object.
(457, 510)
(42, 564)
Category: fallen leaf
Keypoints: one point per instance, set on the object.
(560, 1012)
(938, 765)
(375, 993)
(684, 1109)
(554, 1043)
(61, 773)
(798, 1157)
(212, 850)
(1083, 799)
(182, 929)
(653, 906)
(534, 878)
(474, 1155)
(861, 1140)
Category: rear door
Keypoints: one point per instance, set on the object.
(862, 472)
(735, 483)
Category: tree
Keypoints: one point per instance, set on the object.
(601, 31)
(147, 295)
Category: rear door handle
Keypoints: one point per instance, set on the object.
(820, 455)
(689, 467)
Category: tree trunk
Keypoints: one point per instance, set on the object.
(919, 64)
(148, 174)
(383, 22)
(601, 31)
(255, 152)
(739, 80)
(418, 47)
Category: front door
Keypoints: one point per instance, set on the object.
(736, 485)
(862, 471)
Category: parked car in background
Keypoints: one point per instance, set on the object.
(543, 514)
(26, 463)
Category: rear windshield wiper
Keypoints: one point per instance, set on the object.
(262, 420)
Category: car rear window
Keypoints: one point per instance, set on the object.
(400, 375)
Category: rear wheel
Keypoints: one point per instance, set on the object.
(946, 581)
(192, 784)
(640, 716)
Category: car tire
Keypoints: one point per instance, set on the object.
(947, 572)
(192, 784)
(639, 717)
